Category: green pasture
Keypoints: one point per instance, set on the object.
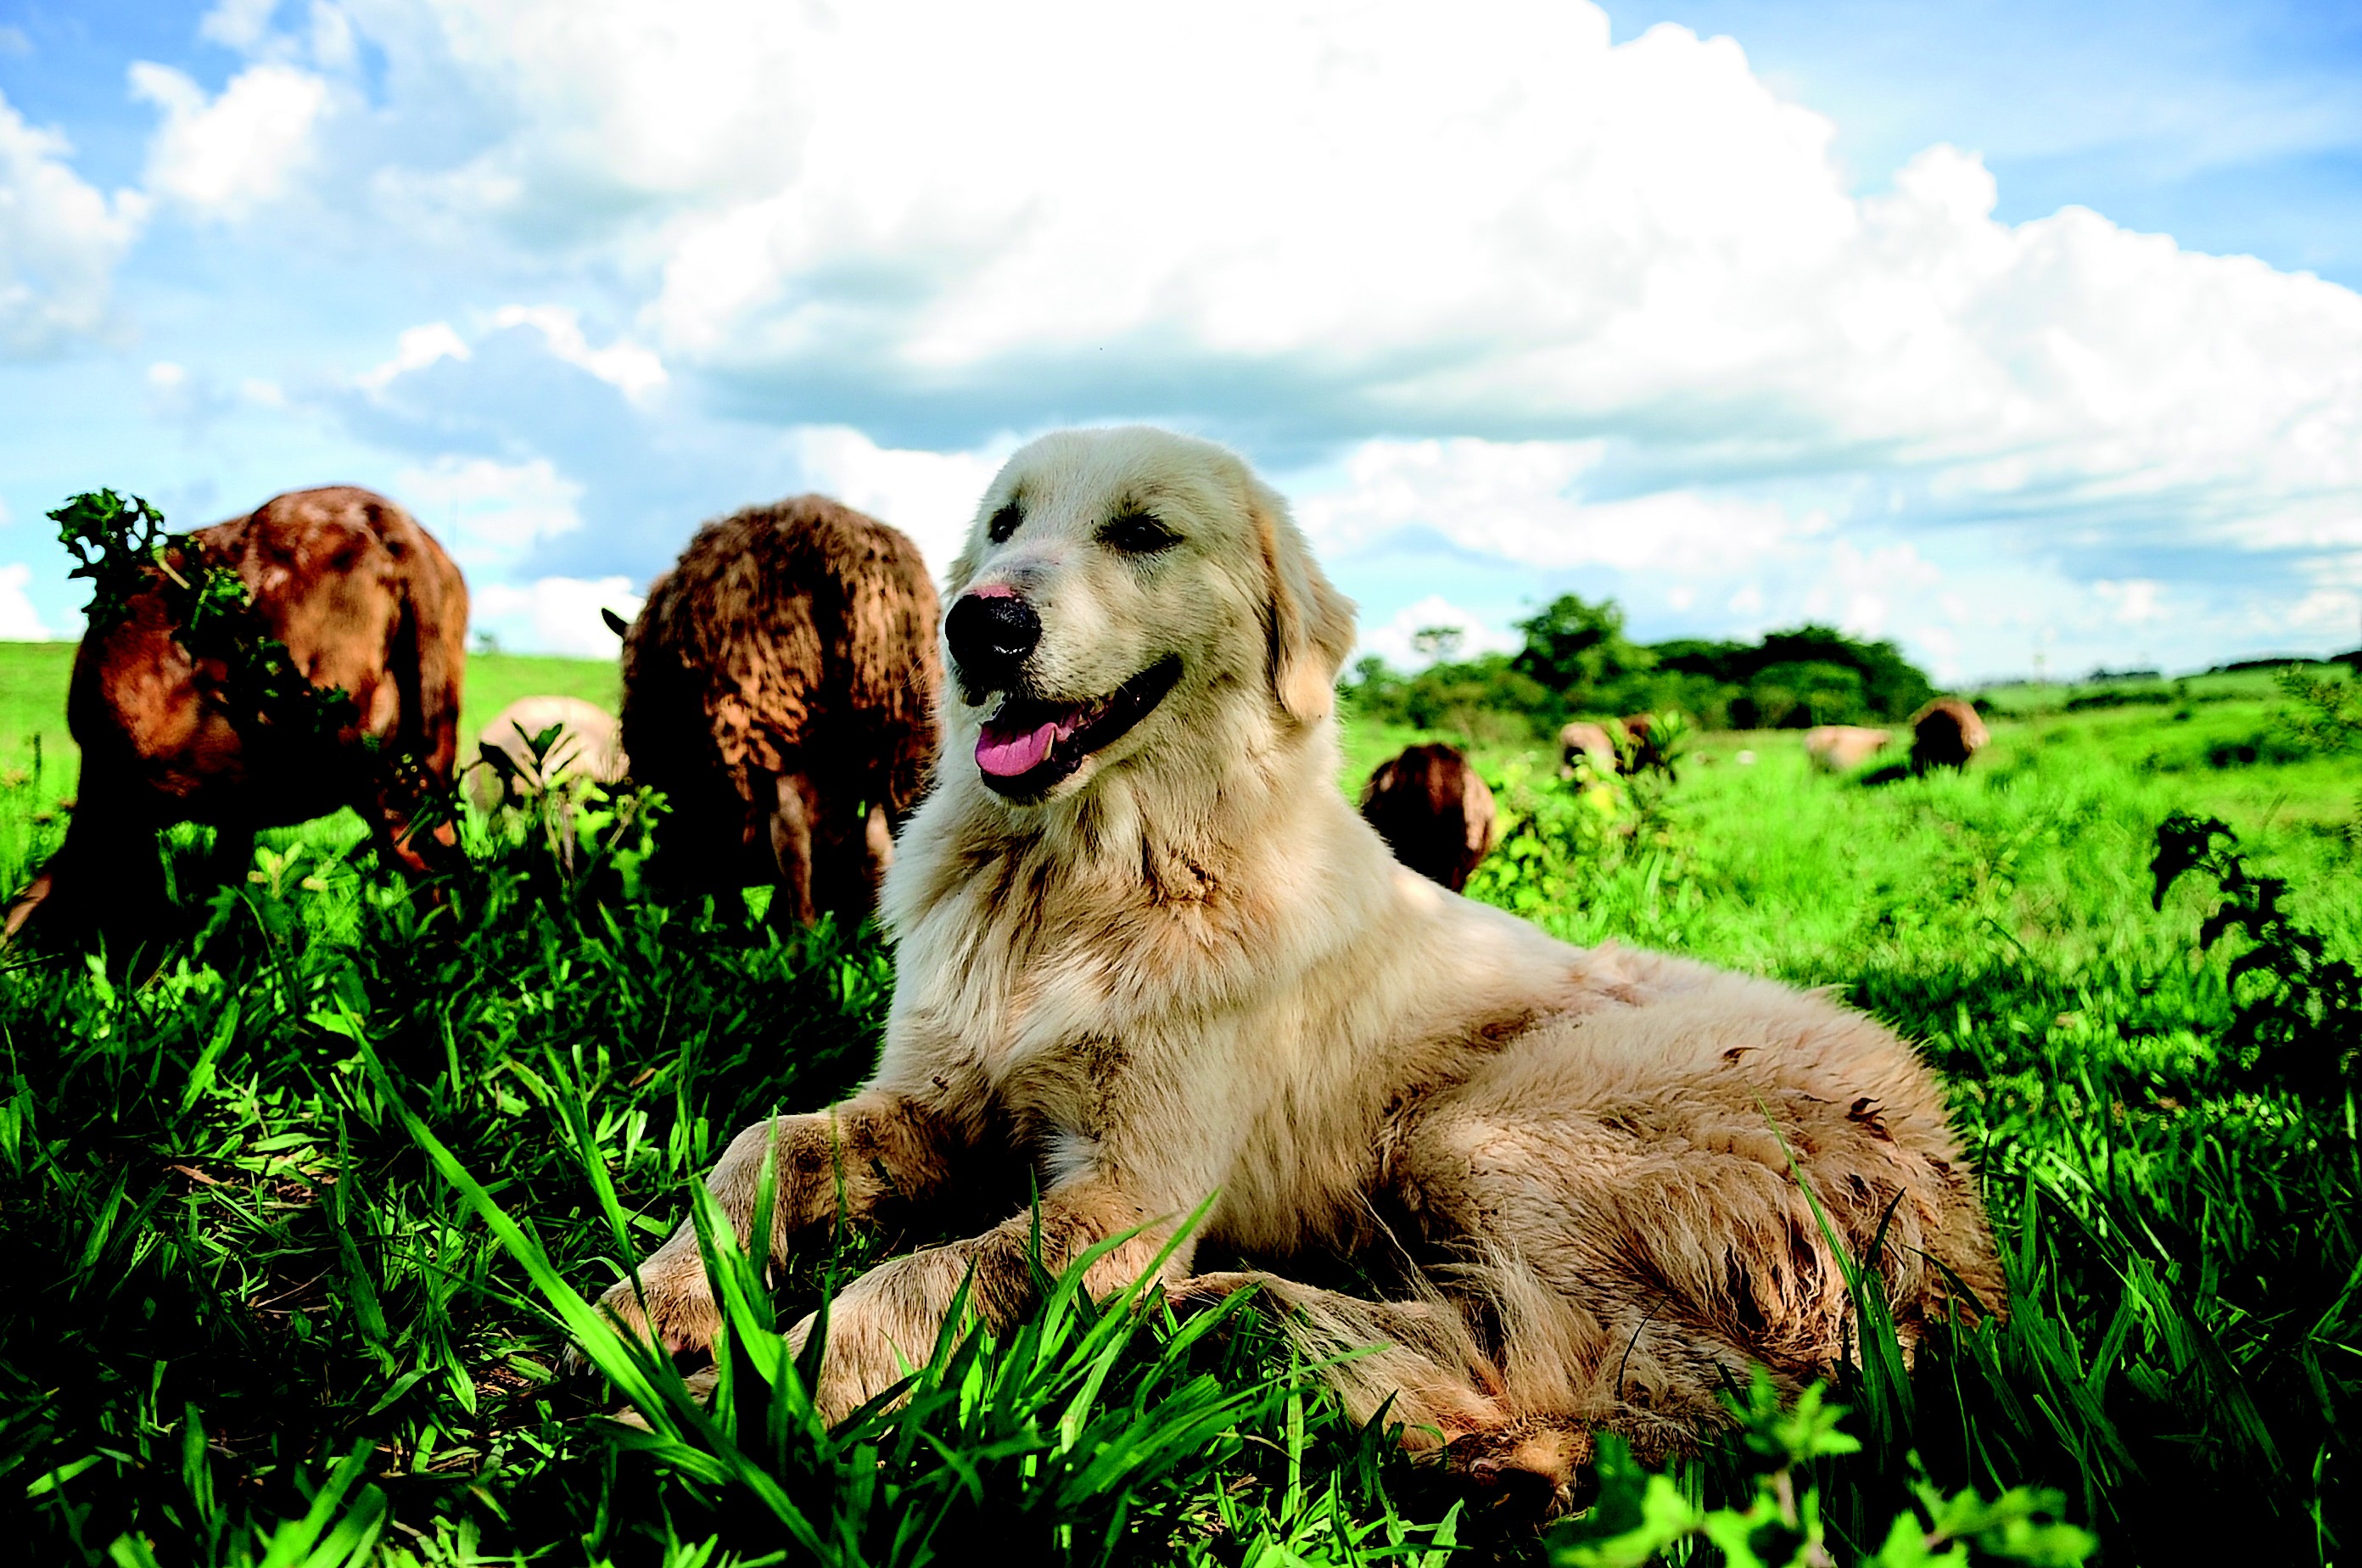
(295, 1225)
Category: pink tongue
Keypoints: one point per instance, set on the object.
(1006, 755)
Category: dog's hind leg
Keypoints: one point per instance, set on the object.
(1425, 1365)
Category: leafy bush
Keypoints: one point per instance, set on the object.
(1484, 701)
(2326, 714)
(2297, 1010)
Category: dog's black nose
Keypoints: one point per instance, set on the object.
(990, 634)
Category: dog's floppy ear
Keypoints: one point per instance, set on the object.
(1311, 623)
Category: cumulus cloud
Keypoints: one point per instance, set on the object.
(1664, 347)
(556, 614)
(59, 241)
(417, 347)
(964, 218)
(490, 515)
(1524, 501)
(237, 24)
(2133, 601)
(930, 496)
(19, 622)
(623, 364)
(224, 157)
(1431, 629)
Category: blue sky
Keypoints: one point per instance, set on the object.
(2008, 331)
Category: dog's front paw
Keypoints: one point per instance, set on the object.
(674, 1308)
(866, 1354)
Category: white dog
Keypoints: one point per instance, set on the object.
(1146, 946)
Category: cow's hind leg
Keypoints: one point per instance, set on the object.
(793, 817)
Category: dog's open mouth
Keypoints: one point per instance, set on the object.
(1029, 745)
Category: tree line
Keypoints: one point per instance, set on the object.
(1576, 662)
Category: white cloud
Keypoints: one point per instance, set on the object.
(1863, 590)
(490, 515)
(1399, 643)
(239, 24)
(59, 241)
(555, 615)
(19, 621)
(1522, 501)
(225, 157)
(1507, 224)
(2329, 614)
(930, 496)
(2133, 601)
(417, 347)
(1668, 343)
(623, 364)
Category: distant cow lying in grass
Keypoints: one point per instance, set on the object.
(1946, 734)
(1588, 741)
(365, 603)
(588, 749)
(1636, 743)
(779, 688)
(1841, 748)
(1433, 811)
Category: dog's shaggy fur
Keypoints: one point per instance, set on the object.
(366, 600)
(1184, 968)
(1433, 811)
(779, 688)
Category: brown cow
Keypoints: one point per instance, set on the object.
(1584, 739)
(1433, 811)
(1645, 744)
(366, 601)
(1946, 734)
(1841, 748)
(1633, 744)
(779, 688)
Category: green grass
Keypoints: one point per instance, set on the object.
(297, 1227)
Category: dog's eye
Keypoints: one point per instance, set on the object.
(1137, 534)
(1004, 522)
